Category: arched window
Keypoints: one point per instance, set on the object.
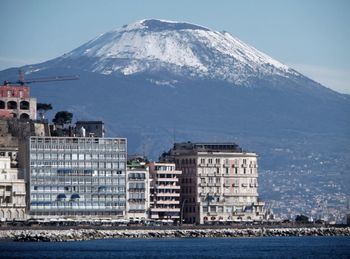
(11, 105)
(2, 105)
(24, 105)
(24, 116)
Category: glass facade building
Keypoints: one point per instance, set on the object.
(77, 177)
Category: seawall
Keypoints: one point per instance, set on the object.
(90, 234)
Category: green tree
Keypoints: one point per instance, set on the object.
(42, 108)
(62, 118)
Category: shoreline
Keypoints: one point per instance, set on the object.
(39, 235)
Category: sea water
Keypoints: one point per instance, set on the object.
(257, 247)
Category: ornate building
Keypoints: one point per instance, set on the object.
(218, 182)
(15, 102)
(12, 189)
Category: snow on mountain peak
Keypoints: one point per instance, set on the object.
(177, 47)
(160, 25)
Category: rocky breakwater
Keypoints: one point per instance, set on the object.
(90, 234)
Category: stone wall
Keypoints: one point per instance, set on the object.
(90, 234)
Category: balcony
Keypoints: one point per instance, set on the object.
(19, 193)
(167, 202)
(165, 210)
(168, 172)
(173, 187)
(167, 179)
(172, 194)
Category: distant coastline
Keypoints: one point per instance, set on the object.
(41, 235)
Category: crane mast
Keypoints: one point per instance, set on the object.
(22, 81)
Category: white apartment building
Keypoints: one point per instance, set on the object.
(137, 191)
(79, 177)
(218, 182)
(165, 192)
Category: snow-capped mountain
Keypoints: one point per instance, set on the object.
(153, 76)
(179, 48)
(156, 81)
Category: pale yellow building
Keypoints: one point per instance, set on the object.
(218, 182)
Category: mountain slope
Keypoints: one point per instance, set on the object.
(152, 78)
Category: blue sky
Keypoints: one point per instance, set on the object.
(311, 36)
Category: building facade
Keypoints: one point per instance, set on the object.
(138, 191)
(165, 192)
(15, 102)
(218, 182)
(12, 190)
(77, 177)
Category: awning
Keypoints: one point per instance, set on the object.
(75, 196)
(61, 196)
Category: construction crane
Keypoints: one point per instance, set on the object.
(22, 81)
